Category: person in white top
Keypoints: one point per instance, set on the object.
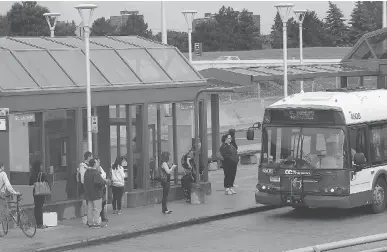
(165, 174)
(118, 183)
(5, 186)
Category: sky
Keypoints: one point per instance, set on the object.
(175, 20)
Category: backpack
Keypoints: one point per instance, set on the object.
(183, 161)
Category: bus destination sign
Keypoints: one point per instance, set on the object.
(301, 115)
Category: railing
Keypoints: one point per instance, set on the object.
(347, 243)
(204, 64)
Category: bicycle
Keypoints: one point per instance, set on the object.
(20, 220)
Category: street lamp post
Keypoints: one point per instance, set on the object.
(284, 12)
(217, 90)
(82, 9)
(189, 16)
(300, 15)
(52, 27)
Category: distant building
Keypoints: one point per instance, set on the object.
(209, 17)
(119, 21)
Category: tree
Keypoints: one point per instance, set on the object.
(207, 34)
(335, 27)
(4, 26)
(102, 27)
(365, 17)
(135, 25)
(313, 31)
(26, 19)
(248, 33)
(276, 32)
(65, 29)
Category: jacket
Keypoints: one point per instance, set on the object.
(93, 185)
(229, 153)
(5, 185)
(118, 177)
(35, 177)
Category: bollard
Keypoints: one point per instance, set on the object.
(198, 194)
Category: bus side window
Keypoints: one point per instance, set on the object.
(357, 141)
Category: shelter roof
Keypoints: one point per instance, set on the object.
(52, 64)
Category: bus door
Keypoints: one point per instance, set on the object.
(361, 181)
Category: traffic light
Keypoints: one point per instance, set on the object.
(198, 49)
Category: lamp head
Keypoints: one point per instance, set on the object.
(284, 11)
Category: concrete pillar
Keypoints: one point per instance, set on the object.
(145, 148)
(158, 132)
(175, 142)
(203, 110)
(103, 144)
(343, 82)
(129, 148)
(361, 81)
(215, 131)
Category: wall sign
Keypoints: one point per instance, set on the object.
(3, 124)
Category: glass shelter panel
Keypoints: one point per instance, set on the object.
(47, 73)
(13, 76)
(174, 64)
(25, 136)
(112, 43)
(379, 45)
(144, 66)
(79, 43)
(47, 44)
(60, 142)
(73, 62)
(362, 52)
(139, 41)
(113, 67)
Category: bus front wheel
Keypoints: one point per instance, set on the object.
(379, 196)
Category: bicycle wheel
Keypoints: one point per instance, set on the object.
(5, 226)
(28, 228)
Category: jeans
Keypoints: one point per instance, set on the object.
(3, 210)
(229, 169)
(165, 184)
(93, 211)
(117, 197)
(186, 182)
(103, 214)
(38, 210)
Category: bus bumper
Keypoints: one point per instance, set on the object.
(309, 200)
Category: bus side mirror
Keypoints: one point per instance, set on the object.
(250, 134)
(360, 161)
(250, 131)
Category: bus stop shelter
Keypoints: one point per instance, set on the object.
(43, 86)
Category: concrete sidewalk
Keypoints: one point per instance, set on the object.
(72, 234)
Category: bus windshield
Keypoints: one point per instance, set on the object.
(310, 148)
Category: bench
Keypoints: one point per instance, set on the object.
(248, 157)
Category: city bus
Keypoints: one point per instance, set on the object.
(324, 150)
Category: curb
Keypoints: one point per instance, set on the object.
(158, 229)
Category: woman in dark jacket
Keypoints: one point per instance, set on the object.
(230, 161)
(233, 143)
(37, 174)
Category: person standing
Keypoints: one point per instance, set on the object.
(83, 166)
(104, 190)
(5, 186)
(225, 171)
(118, 183)
(165, 173)
(93, 185)
(234, 170)
(230, 156)
(37, 175)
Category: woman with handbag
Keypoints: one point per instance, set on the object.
(41, 189)
(165, 176)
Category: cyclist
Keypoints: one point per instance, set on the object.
(5, 186)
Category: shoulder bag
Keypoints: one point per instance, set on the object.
(41, 188)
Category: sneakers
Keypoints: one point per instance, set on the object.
(117, 212)
(228, 191)
(167, 211)
(41, 226)
(232, 191)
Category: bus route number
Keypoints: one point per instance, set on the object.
(355, 116)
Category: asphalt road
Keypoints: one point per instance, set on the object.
(271, 231)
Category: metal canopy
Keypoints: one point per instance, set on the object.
(249, 75)
(43, 64)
